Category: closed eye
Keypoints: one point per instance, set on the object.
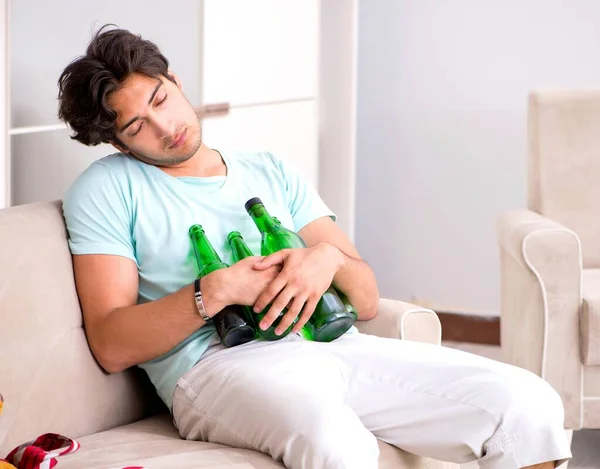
(142, 124)
(138, 130)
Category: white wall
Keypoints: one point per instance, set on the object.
(441, 149)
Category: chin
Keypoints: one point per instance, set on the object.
(195, 142)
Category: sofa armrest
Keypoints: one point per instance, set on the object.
(399, 320)
(541, 268)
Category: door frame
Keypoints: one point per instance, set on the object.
(336, 99)
(5, 151)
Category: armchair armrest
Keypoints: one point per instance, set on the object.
(541, 268)
(399, 320)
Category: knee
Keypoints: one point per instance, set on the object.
(332, 438)
(528, 403)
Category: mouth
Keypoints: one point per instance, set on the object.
(179, 140)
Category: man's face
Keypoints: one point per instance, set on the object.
(155, 121)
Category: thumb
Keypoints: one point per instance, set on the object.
(271, 260)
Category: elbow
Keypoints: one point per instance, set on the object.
(106, 360)
(111, 367)
(367, 314)
(108, 364)
(369, 311)
(373, 303)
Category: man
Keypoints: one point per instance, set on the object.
(311, 405)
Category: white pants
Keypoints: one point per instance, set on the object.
(322, 405)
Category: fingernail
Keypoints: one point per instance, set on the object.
(278, 331)
(263, 325)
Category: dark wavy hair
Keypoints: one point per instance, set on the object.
(87, 82)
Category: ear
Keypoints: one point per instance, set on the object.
(119, 147)
(176, 79)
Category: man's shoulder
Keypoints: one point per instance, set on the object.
(115, 163)
(107, 176)
(110, 169)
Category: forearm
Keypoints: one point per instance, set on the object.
(356, 279)
(133, 335)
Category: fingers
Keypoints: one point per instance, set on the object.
(309, 309)
(271, 260)
(269, 293)
(250, 260)
(278, 305)
(292, 313)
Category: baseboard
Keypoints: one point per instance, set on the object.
(474, 328)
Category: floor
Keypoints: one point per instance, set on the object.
(586, 443)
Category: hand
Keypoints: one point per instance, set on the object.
(306, 274)
(241, 284)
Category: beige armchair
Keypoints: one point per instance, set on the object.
(550, 255)
(51, 382)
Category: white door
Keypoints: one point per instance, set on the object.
(261, 57)
(287, 130)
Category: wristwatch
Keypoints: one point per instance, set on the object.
(199, 301)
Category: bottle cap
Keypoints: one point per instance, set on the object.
(252, 202)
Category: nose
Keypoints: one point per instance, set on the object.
(164, 128)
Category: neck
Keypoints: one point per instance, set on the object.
(262, 219)
(205, 162)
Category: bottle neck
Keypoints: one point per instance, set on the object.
(264, 222)
(205, 253)
(239, 248)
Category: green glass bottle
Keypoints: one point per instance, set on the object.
(240, 250)
(331, 318)
(349, 306)
(233, 324)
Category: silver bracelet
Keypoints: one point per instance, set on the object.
(200, 301)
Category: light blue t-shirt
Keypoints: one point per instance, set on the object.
(124, 207)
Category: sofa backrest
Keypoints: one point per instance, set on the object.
(48, 376)
(564, 163)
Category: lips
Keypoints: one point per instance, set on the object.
(179, 139)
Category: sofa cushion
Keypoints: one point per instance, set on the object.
(155, 443)
(48, 375)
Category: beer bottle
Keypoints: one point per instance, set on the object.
(233, 323)
(331, 318)
(349, 306)
(240, 250)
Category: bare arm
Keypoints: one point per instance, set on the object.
(122, 334)
(354, 277)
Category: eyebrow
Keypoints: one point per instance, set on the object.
(124, 128)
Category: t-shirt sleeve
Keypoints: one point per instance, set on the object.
(98, 215)
(304, 202)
